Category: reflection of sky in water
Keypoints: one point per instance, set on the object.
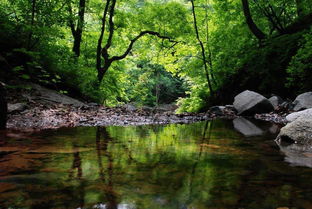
(196, 166)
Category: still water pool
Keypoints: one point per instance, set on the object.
(195, 166)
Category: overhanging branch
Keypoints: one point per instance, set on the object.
(142, 33)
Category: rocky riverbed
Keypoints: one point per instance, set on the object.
(60, 115)
(40, 108)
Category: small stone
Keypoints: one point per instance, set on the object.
(276, 101)
(217, 110)
(18, 107)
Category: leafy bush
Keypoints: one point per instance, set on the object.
(300, 68)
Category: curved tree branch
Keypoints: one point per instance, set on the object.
(108, 61)
(153, 33)
(110, 9)
(251, 24)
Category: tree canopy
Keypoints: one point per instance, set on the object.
(193, 52)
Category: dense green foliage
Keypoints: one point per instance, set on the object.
(300, 68)
(36, 43)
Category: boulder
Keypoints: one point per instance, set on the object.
(17, 107)
(217, 110)
(299, 131)
(50, 96)
(250, 103)
(294, 116)
(130, 107)
(276, 101)
(3, 108)
(246, 127)
(303, 101)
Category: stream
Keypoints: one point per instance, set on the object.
(204, 165)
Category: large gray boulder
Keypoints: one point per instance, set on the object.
(250, 103)
(299, 131)
(304, 113)
(3, 108)
(246, 127)
(51, 96)
(303, 101)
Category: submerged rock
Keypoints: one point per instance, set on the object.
(246, 127)
(303, 101)
(250, 103)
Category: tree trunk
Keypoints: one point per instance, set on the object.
(202, 49)
(78, 31)
(100, 40)
(251, 24)
(77, 42)
(3, 108)
(210, 62)
(102, 70)
(32, 22)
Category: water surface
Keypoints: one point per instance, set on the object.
(195, 166)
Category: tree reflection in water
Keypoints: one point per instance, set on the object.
(201, 165)
(204, 140)
(76, 167)
(102, 142)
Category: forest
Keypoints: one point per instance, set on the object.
(156, 104)
(195, 53)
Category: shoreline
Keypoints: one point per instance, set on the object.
(41, 117)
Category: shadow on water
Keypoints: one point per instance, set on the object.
(210, 164)
(250, 127)
(296, 154)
